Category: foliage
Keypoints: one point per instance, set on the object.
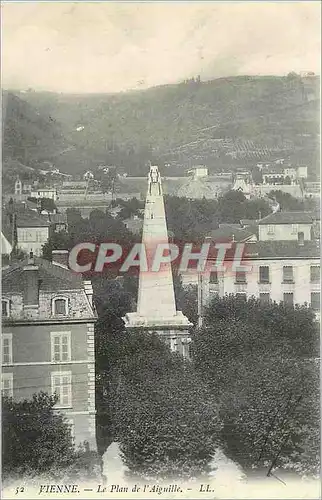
(287, 202)
(36, 440)
(57, 241)
(100, 227)
(192, 220)
(129, 129)
(292, 324)
(45, 203)
(260, 359)
(34, 436)
(164, 416)
(186, 299)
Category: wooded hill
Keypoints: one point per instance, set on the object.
(222, 123)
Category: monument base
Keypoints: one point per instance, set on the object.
(172, 330)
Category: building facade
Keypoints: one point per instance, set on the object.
(45, 193)
(276, 272)
(48, 322)
(286, 226)
(282, 259)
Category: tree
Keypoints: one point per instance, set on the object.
(286, 201)
(253, 356)
(57, 241)
(290, 324)
(34, 436)
(257, 175)
(164, 416)
(45, 203)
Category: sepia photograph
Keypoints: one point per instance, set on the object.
(160, 249)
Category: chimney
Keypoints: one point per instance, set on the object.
(60, 257)
(31, 284)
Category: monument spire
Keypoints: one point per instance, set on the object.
(156, 308)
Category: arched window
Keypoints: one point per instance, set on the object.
(5, 308)
(60, 306)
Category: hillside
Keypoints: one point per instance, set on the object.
(222, 123)
(29, 136)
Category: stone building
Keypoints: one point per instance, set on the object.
(48, 322)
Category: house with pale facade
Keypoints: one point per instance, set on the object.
(288, 226)
(282, 253)
(45, 193)
(32, 232)
(48, 320)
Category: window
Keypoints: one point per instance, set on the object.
(60, 306)
(315, 301)
(213, 277)
(61, 384)
(5, 308)
(263, 274)
(264, 298)
(240, 277)
(300, 238)
(288, 299)
(294, 228)
(288, 274)
(241, 296)
(270, 229)
(60, 346)
(38, 236)
(6, 348)
(315, 274)
(7, 384)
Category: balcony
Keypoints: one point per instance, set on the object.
(240, 287)
(264, 286)
(315, 286)
(213, 287)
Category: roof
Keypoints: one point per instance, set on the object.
(282, 250)
(134, 225)
(248, 222)
(6, 244)
(6, 230)
(31, 219)
(196, 189)
(287, 218)
(273, 169)
(229, 233)
(52, 278)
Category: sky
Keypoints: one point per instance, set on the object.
(83, 47)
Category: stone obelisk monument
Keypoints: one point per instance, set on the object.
(156, 308)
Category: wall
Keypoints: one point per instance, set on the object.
(283, 232)
(32, 367)
(32, 239)
(301, 287)
(77, 302)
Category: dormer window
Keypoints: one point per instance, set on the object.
(5, 308)
(60, 306)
